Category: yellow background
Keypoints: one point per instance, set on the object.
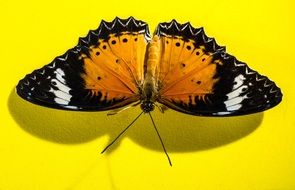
(43, 148)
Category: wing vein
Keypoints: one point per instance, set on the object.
(116, 75)
(194, 71)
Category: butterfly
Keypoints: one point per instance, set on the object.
(120, 65)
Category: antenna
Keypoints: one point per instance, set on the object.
(160, 139)
(121, 133)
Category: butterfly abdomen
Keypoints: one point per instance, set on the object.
(153, 58)
(153, 55)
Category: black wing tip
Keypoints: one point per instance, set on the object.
(116, 26)
(226, 113)
(40, 103)
(187, 31)
(24, 90)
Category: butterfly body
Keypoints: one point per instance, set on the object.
(149, 88)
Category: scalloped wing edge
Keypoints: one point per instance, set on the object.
(116, 26)
(187, 31)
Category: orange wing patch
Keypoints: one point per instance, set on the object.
(132, 58)
(185, 70)
(113, 72)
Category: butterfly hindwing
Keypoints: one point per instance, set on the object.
(196, 76)
(102, 72)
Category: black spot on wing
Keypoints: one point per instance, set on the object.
(187, 32)
(116, 27)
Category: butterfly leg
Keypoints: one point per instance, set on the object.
(119, 110)
(162, 108)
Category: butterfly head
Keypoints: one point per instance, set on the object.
(147, 106)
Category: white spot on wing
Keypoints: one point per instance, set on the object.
(62, 94)
(26, 83)
(239, 80)
(59, 71)
(61, 86)
(59, 75)
(234, 101)
(248, 72)
(221, 113)
(234, 98)
(52, 66)
(234, 107)
(60, 101)
(71, 107)
(236, 92)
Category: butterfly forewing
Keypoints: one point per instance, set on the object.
(102, 72)
(196, 76)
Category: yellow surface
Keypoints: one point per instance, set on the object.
(43, 148)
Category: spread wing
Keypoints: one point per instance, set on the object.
(102, 72)
(196, 76)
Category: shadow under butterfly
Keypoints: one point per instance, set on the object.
(119, 66)
(181, 133)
